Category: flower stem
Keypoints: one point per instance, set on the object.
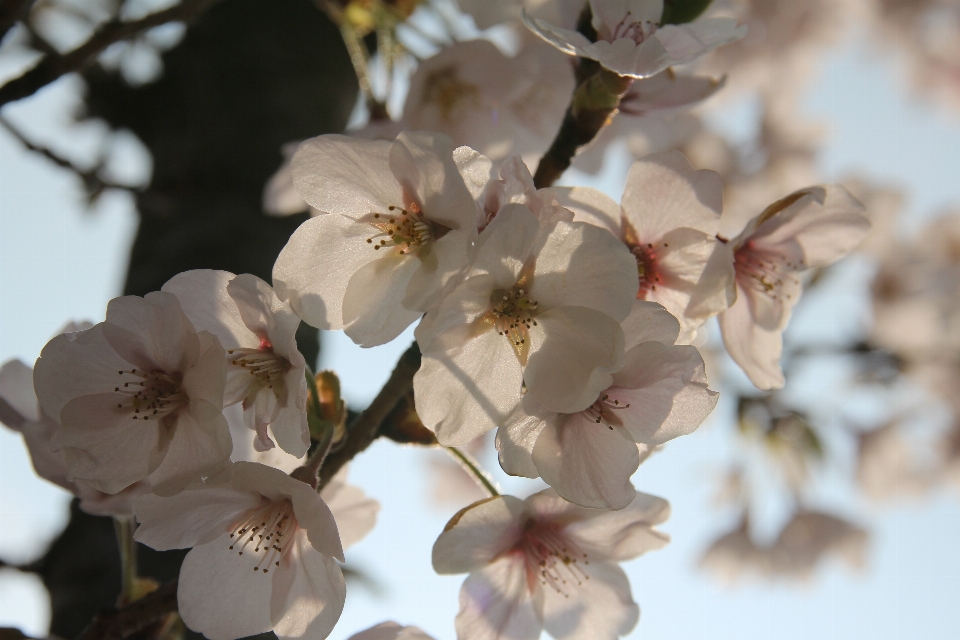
(366, 428)
(471, 466)
(123, 525)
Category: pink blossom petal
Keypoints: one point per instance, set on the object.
(587, 463)
(478, 534)
(496, 603)
(599, 608)
(572, 352)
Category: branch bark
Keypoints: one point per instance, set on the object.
(121, 623)
(52, 67)
(366, 428)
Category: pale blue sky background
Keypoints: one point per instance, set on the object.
(58, 263)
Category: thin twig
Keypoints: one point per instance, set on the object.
(92, 181)
(366, 428)
(472, 467)
(52, 67)
(117, 624)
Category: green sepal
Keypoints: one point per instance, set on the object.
(681, 11)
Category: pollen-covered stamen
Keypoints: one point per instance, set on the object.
(762, 271)
(648, 271)
(266, 367)
(267, 531)
(552, 559)
(636, 30)
(153, 394)
(603, 411)
(513, 313)
(406, 229)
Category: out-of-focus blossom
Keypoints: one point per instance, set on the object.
(543, 563)
(354, 511)
(812, 536)
(734, 554)
(487, 101)
(810, 228)
(807, 540)
(487, 13)
(588, 457)
(888, 466)
(138, 395)
(263, 554)
(668, 217)
(916, 294)
(651, 117)
(391, 631)
(401, 223)
(541, 306)
(631, 42)
(265, 369)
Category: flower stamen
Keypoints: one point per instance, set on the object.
(153, 394)
(406, 230)
(264, 529)
(602, 411)
(551, 559)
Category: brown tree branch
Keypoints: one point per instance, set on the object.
(366, 428)
(121, 623)
(92, 181)
(52, 67)
(12, 11)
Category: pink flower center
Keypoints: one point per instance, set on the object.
(648, 272)
(153, 395)
(264, 366)
(266, 530)
(762, 271)
(603, 411)
(636, 30)
(404, 228)
(551, 559)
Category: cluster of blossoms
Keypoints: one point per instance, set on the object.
(556, 316)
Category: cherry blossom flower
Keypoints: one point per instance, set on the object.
(515, 186)
(490, 102)
(391, 631)
(401, 222)
(668, 217)
(20, 410)
(138, 395)
(540, 306)
(543, 563)
(810, 228)
(263, 554)
(354, 511)
(660, 393)
(631, 42)
(265, 371)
